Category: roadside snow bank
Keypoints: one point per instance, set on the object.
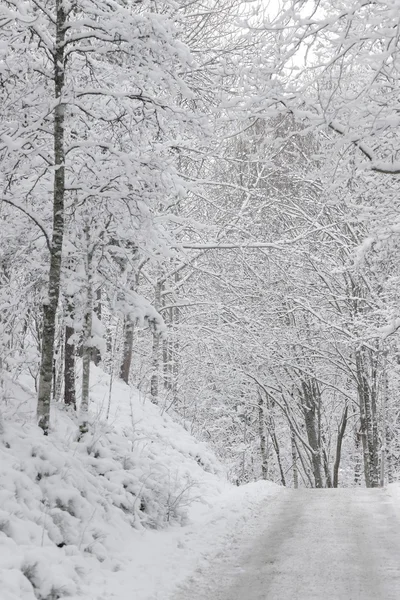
(393, 494)
(68, 508)
(160, 564)
(129, 511)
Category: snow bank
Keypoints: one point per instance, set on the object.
(161, 564)
(127, 512)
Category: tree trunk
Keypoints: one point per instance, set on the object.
(339, 441)
(306, 470)
(59, 368)
(69, 355)
(262, 436)
(51, 303)
(358, 451)
(87, 337)
(368, 419)
(96, 355)
(310, 395)
(175, 351)
(328, 477)
(128, 347)
(275, 444)
(294, 459)
(69, 368)
(155, 351)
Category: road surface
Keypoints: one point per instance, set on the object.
(313, 545)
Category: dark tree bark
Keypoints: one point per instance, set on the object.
(51, 304)
(69, 358)
(294, 458)
(69, 368)
(310, 402)
(96, 355)
(154, 381)
(339, 442)
(87, 335)
(128, 348)
(367, 390)
(262, 436)
(274, 439)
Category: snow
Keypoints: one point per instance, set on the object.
(331, 544)
(140, 509)
(162, 562)
(130, 511)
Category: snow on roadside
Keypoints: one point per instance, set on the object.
(392, 492)
(128, 512)
(159, 564)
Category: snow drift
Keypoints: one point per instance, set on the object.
(67, 505)
(83, 518)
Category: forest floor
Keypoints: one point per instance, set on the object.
(339, 544)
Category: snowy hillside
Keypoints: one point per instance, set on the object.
(76, 516)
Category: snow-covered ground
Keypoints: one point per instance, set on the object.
(330, 544)
(133, 510)
(140, 510)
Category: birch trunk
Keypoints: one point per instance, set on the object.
(368, 417)
(53, 293)
(128, 348)
(262, 436)
(155, 351)
(339, 442)
(96, 355)
(69, 368)
(87, 338)
(294, 459)
(59, 376)
(274, 438)
(310, 397)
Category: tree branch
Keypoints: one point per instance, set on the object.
(32, 217)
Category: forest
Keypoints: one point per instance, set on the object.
(201, 198)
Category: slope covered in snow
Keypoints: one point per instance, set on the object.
(126, 512)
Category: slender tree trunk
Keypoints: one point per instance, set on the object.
(87, 338)
(309, 405)
(167, 353)
(364, 442)
(275, 444)
(243, 473)
(155, 368)
(386, 456)
(306, 469)
(262, 436)
(389, 456)
(328, 477)
(376, 451)
(51, 304)
(175, 350)
(128, 347)
(368, 417)
(294, 459)
(60, 368)
(96, 355)
(57, 361)
(155, 351)
(339, 442)
(358, 452)
(69, 368)
(387, 434)
(69, 356)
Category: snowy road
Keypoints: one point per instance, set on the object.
(312, 545)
